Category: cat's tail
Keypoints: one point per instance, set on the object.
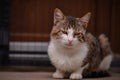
(105, 45)
(105, 64)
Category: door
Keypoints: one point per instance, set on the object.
(31, 20)
(4, 31)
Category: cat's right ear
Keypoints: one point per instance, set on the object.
(58, 15)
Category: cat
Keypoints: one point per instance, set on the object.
(75, 51)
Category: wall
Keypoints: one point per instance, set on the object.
(32, 20)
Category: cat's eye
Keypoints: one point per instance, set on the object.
(78, 34)
(75, 34)
(64, 32)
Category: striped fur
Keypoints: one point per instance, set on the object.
(74, 50)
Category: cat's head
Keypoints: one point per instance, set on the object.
(69, 31)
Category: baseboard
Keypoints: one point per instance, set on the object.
(29, 46)
(35, 53)
(29, 53)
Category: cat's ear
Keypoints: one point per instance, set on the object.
(86, 19)
(58, 15)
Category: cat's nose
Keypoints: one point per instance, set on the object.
(70, 40)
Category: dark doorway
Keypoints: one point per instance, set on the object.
(4, 31)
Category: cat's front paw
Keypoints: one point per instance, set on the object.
(76, 76)
(58, 75)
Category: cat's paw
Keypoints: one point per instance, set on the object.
(76, 76)
(58, 75)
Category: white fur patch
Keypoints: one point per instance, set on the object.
(69, 35)
(105, 64)
(67, 59)
(65, 38)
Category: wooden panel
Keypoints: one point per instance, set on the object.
(115, 26)
(103, 16)
(32, 20)
(29, 37)
(29, 17)
(36, 16)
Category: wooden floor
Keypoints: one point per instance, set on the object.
(36, 73)
(43, 76)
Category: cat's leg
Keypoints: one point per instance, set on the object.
(58, 74)
(78, 73)
(105, 64)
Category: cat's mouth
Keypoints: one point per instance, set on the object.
(69, 45)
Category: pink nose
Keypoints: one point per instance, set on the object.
(70, 41)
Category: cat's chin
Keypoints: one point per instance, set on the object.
(69, 45)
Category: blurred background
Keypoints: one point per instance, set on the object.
(25, 27)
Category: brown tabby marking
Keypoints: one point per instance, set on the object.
(97, 52)
(69, 22)
(99, 48)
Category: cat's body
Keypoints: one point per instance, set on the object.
(67, 59)
(73, 50)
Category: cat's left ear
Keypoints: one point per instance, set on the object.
(85, 19)
(58, 15)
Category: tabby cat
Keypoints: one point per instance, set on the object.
(74, 51)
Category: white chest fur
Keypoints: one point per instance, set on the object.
(67, 59)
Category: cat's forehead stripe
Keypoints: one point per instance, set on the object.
(72, 21)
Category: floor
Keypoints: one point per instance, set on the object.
(36, 73)
(44, 76)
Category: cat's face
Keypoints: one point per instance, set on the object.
(69, 31)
